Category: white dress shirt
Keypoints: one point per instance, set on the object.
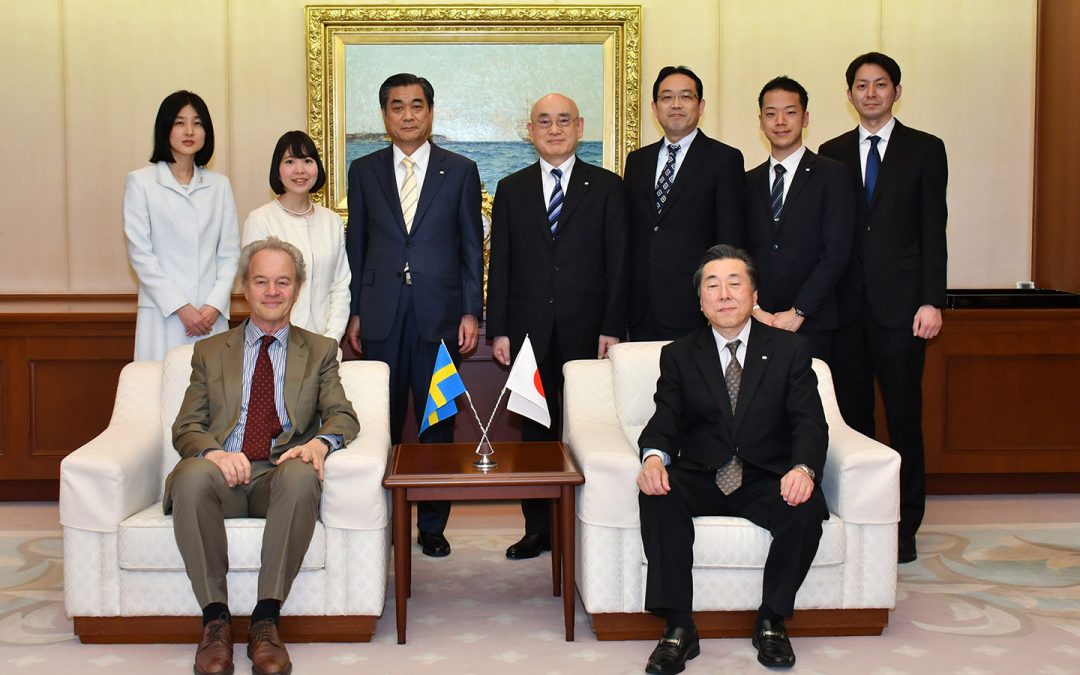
(548, 181)
(661, 158)
(790, 164)
(421, 157)
(864, 143)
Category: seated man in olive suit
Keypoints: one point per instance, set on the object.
(264, 409)
(739, 430)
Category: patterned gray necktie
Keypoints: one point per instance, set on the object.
(729, 476)
(667, 177)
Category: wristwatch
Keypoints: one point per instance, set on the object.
(801, 314)
(330, 446)
(805, 469)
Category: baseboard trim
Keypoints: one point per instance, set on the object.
(804, 623)
(188, 629)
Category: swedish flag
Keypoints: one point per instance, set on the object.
(446, 385)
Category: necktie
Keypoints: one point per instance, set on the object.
(408, 193)
(667, 178)
(729, 476)
(873, 165)
(262, 425)
(555, 203)
(776, 197)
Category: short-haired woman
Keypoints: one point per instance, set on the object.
(296, 171)
(181, 229)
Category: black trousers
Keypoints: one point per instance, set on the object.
(537, 512)
(412, 360)
(862, 351)
(667, 531)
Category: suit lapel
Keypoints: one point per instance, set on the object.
(648, 185)
(433, 180)
(385, 168)
(534, 184)
(798, 181)
(708, 360)
(575, 193)
(758, 350)
(232, 371)
(895, 153)
(695, 155)
(295, 367)
(761, 187)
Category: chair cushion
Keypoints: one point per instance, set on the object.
(146, 542)
(736, 543)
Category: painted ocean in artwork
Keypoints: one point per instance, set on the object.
(496, 159)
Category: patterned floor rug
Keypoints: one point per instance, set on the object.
(980, 600)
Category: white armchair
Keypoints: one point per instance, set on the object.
(124, 580)
(852, 582)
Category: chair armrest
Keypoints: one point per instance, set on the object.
(610, 465)
(117, 473)
(353, 497)
(862, 478)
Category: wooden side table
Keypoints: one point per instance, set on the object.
(423, 472)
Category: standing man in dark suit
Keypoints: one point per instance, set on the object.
(264, 409)
(894, 287)
(739, 430)
(686, 194)
(558, 271)
(415, 246)
(800, 225)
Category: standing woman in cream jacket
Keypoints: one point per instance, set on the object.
(182, 235)
(295, 172)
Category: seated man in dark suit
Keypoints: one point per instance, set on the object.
(739, 430)
(264, 409)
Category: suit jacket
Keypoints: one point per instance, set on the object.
(800, 258)
(576, 280)
(705, 207)
(900, 254)
(444, 251)
(314, 398)
(778, 423)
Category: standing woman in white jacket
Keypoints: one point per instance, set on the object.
(181, 229)
(295, 172)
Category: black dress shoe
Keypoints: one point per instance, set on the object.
(676, 647)
(433, 544)
(906, 550)
(529, 546)
(773, 647)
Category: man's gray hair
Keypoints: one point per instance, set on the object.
(272, 243)
(725, 252)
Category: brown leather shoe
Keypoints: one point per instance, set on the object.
(266, 650)
(214, 656)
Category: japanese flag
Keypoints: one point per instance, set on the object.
(526, 392)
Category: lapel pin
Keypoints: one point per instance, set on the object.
(442, 173)
(764, 358)
(586, 183)
(807, 169)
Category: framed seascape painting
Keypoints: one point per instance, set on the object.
(487, 66)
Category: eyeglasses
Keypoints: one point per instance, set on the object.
(683, 96)
(546, 122)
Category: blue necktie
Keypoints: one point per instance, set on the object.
(555, 203)
(776, 197)
(873, 166)
(667, 177)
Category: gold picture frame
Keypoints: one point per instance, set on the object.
(609, 35)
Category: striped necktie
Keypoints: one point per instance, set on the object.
(776, 197)
(408, 193)
(555, 203)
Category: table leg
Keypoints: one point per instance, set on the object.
(567, 528)
(402, 554)
(555, 527)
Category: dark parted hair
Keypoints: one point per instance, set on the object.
(299, 146)
(166, 115)
(783, 83)
(667, 71)
(725, 252)
(404, 80)
(886, 63)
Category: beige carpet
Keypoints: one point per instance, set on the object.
(996, 590)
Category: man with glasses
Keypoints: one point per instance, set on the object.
(558, 271)
(686, 194)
